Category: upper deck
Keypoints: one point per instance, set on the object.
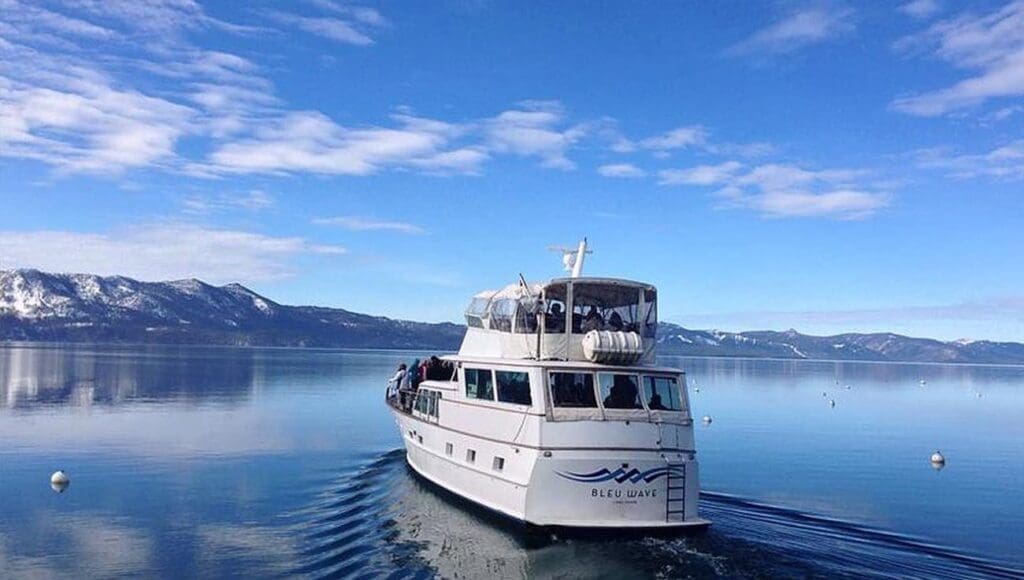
(585, 319)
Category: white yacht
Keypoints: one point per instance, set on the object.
(554, 412)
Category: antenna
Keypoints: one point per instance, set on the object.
(572, 258)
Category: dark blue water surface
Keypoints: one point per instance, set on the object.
(220, 462)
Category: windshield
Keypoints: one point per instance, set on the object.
(605, 307)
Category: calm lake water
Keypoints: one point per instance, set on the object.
(219, 462)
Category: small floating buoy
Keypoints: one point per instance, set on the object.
(831, 402)
(938, 460)
(59, 481)
(696, 390)
(848, 387)
(824, 394)
(707, 419)
(922, 382)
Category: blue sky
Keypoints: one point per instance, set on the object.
(820, 165)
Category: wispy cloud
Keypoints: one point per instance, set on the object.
(796, 30)
(163, 251)
(625, 170)
(784, 191)
(331, 28)
(86, 123)
(309, 141)
(695, 136)
(921, 9)
(700, 175)
(991, 46)
(1003, 162)
(363, 224)
(678, 138)
(255, 200)
(535, 129)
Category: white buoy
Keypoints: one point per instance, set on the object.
(922, 382)
(938, 459)
(848, 387)
(831, 402)
(59, 481)
(707, 419)
(60, 478)
(696, 390)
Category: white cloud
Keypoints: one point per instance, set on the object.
(700, 175)
(309, 141)
(838, 204)
(678, 138)
(331, 28)
(990, 46)
(1003, 162)
(782, 191)
(362, 224)
(161, 252)
(796, 30)
(534, 130)
(89, 125)
(255, 200)
(621, 170)
(921, 9)
(30, 19)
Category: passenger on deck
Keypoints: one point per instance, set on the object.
(615, 322)
(554, 320)
(622, 395)
(415, 376)
(593, 321)
(396, 381)
(655, 403)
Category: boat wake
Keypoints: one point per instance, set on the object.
(386, 522)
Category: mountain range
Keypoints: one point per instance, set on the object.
(38, 306)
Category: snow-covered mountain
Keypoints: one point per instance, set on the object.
(81, 307)
(674, 339)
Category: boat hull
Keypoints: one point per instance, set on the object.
(607, 489)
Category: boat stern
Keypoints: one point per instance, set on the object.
(597, 490)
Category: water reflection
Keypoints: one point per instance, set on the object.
(43, 375)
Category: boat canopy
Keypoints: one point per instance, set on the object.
(549, 320)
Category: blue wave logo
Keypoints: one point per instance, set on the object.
(621, 476)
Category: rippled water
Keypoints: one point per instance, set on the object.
(217, 462)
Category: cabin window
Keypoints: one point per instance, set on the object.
(499, 464)
(502, 312)
(573, 390)
(662, 394)
(476, 312)
(619, 391)
(651, 316)
(554, 313)
(426, 402)
(479, 384)
(471, 456)
(449, 448)
(513, 387)
(605, 307)
(526, 316)
(432, 403)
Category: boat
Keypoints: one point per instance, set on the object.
(554, 412)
